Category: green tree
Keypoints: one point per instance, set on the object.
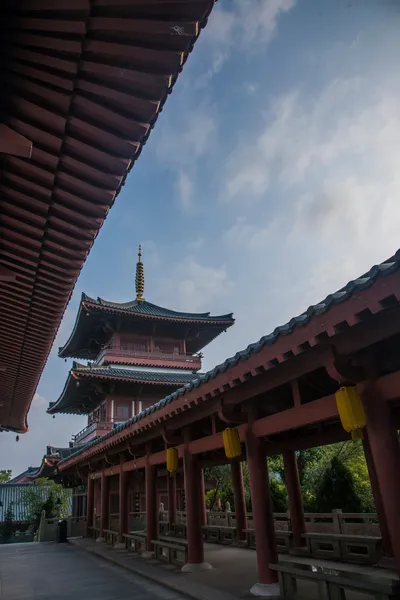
(337, 489)
(7, 527)
(44, 495)
(5, 475)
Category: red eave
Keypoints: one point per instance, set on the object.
(84, 83)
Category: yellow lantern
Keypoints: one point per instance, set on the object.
(172, 460)
(232, 442)
(351, 411)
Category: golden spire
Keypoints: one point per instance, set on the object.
(139, 280)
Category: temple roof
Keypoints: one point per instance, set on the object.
(385, 298)
(83, 84)
(91, 311)
(25, 476)
(75, 399)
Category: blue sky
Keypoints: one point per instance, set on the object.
(269, 181)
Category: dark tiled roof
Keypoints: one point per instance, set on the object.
(144, 308)
(30, 471)
(142, 376)
(126, 375)
(352, 288)
(207, 327)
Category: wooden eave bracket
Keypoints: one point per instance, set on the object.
(229, 416)
(14, 143)
(341, 370)
(170, 439)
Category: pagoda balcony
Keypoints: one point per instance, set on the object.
(153, 358)
(91, 431)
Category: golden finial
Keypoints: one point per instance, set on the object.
(139, 277)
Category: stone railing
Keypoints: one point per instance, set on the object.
(333, 522)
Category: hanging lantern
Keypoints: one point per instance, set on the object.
(351, 411)
(232, 442)
(172, 460)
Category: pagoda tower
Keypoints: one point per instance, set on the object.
(137, 353)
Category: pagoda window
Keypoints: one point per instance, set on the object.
(165, 347)
(123, 413)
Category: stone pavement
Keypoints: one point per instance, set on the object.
(49, 571)
(234, 571)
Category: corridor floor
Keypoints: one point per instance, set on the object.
(50, 571)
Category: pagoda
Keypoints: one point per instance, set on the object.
(137, 353)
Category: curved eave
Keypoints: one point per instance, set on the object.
(64, 351)
(148, 363)
(73, 348)
(65, 403)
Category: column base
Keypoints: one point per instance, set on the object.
(119, 546)
(268, 590)
(101, 539)
(148, 554)
(196, 567)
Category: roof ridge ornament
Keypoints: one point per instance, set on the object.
(139, 280)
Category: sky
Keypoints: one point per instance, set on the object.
(270, 180)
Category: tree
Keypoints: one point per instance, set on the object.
(5, 475)
(44, 496)
(337, 489)
(6, 530)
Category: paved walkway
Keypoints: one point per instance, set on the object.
(233, 574)
(51, 571)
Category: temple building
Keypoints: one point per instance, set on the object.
(138, 352)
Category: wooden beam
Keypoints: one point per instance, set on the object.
(12, 142)
(7, 274)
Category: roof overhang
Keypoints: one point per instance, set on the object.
(83, 83)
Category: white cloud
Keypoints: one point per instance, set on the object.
(185, 190)
(248, 25)
(192, 286)
(186, 138)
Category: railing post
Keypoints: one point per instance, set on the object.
(336, 520)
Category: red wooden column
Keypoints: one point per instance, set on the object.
(295, 498)
(171, 483)
(151, 506)
(376, 492)
(385, 452)
(239, 499)
(203, 506)
(123, 508)
(193, 514)
(89, 504)
(104, 483)
(263, 517)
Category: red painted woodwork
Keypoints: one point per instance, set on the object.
(239, 499)
(193, 486)
(123, 505)
(104, 491)
(151, 505)
(74, 152)
(262, 509)
(376, 492)
(90, 504)
(313, 412)
(203, 507)
(385, 452)
(295, 499)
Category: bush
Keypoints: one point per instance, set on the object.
(337, 489)
(6, 529)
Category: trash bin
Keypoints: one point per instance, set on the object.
(62, 531)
